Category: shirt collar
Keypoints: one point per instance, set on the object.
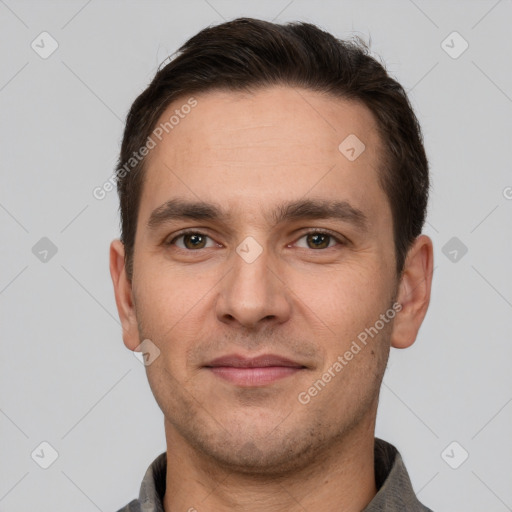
(395, 492)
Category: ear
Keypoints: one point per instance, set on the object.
(123, 294)
(413, 292)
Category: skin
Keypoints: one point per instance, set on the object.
(258, 448)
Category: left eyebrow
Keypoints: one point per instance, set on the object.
(321, 209)
(180, 209)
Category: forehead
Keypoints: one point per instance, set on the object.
(249, 149)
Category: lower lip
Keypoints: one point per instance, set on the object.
(253, 376)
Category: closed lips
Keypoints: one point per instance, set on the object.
(266, 360)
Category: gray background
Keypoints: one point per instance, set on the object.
(66, 377)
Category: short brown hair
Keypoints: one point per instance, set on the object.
(246, 54)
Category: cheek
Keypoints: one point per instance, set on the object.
(167, 307)
(347, 299)
(167, 295)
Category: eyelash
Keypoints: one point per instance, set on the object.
(311, 232)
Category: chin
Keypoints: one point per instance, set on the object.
(253, 459)
(265, 451)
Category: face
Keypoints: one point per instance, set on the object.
(291, 257)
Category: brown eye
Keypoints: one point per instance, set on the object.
(194, 241)
(191, 241)
(319, 240)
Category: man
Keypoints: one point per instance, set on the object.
(273, 187)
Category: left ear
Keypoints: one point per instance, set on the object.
(413, 292)
(123, 295)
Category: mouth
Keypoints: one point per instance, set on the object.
(256, 371)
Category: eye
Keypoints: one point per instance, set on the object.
(320, 240)
(194, 240)
(191, 240)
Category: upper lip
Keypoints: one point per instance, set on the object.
(264, 360)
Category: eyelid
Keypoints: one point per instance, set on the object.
(340, 239)
(337, 237)
(187, 231)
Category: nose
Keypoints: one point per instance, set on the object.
(253, 292)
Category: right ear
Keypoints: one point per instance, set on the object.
(123, 294)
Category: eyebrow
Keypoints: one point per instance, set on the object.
(180, 209)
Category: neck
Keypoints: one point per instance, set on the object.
(341, 477)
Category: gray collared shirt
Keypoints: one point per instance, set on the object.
(395, 493)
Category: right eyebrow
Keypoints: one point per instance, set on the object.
(179, 209)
